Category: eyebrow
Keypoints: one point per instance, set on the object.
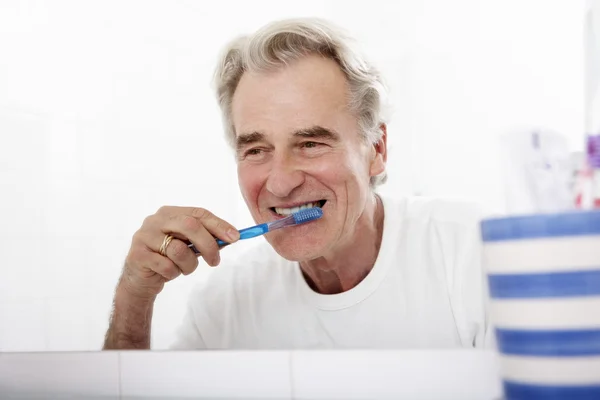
(314, 132)
(318, 132)
(245, 139)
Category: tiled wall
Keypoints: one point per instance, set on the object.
(66, 233)
(592, 49)
(414, 375)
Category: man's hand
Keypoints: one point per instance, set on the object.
(146, 270)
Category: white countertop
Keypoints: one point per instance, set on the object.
(330, 374)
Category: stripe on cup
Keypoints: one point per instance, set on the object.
(549, 343)
(551, 370)
(547, 313)
(553, 284)
(526, 391)
(574, 223)
(542, 255)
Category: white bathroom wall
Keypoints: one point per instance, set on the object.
(592, 67)
(106, 113)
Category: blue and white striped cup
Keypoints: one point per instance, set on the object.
(544, 282)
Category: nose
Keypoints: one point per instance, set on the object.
(284, 176)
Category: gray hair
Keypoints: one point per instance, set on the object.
(281, 42)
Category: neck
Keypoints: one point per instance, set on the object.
(351, 261)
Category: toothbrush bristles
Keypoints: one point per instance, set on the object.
(300, 217)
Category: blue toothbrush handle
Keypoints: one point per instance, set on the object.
(254, 231)
(247, 233)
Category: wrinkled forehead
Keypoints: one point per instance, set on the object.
(312, 91)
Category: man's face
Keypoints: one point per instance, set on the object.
(299, 146)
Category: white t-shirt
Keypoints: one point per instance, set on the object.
(426, 290)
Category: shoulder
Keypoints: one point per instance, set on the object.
(445, 222)
(435, 211)
(444, 210)
(444, 233)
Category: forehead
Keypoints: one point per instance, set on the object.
(307, 92)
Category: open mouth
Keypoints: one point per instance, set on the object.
(288, 211)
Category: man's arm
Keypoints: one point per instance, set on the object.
(130, 322)
(155, 258)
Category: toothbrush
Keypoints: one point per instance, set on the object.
(297, 218)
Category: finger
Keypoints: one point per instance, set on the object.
(177, 250)
(183, 257)
(206, 246)
(188, 224)
(215, 225)
(162, 266)
(188, 228)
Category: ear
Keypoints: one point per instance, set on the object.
(379, 153)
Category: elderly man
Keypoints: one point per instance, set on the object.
(304, 113)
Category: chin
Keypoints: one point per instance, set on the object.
(297, 249)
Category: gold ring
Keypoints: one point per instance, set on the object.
(165, 244)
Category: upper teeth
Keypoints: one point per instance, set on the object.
(288, 211)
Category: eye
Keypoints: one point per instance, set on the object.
(254, 154)
(310, 145)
